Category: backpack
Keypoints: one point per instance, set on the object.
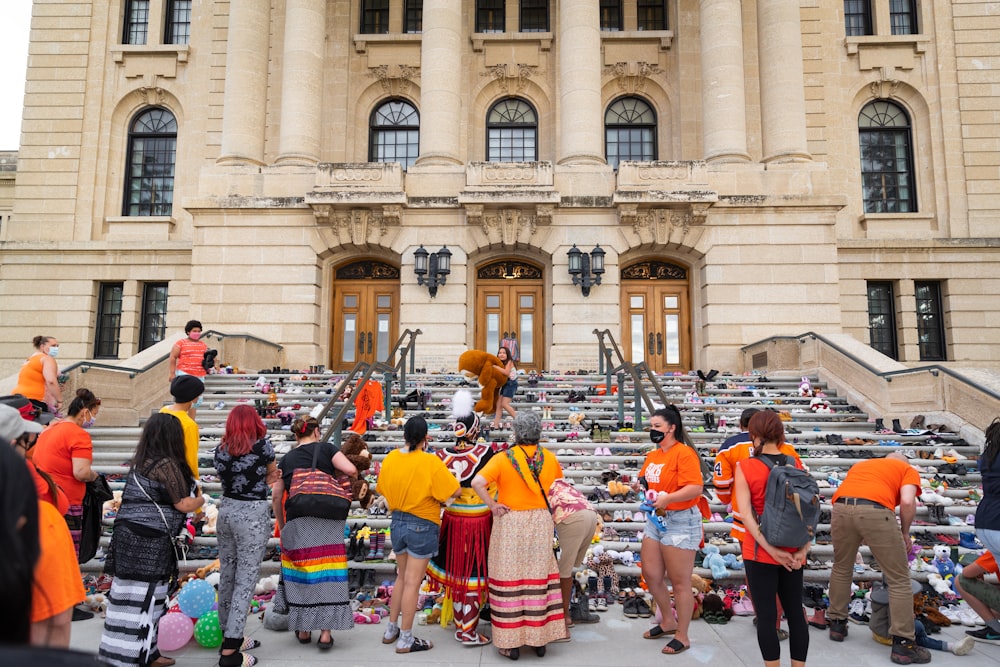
(791, 506)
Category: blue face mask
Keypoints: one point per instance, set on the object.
(54, 351)
(90, 422)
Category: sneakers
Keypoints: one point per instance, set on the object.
(838, 629)
(962, 647)
(858, 612)
(906, 652)
(984, 635)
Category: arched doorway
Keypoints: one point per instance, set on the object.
(656, 315)
(365, 313)
(510, 304)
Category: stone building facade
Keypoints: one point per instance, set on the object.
(742, 169)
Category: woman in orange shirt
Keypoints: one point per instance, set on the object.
(525, 592)
(38, 380)
(673, 473)
(771, 571)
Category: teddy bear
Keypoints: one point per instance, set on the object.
(714, 561)
(356, 450)
(211, 518)
(484, 367)
(699, 587)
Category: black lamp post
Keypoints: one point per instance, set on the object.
(586, 269)
(432, 269)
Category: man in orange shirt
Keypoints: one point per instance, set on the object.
(982, 596)
(864, 511)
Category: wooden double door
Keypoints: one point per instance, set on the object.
(365, 314)
(510, 306)
(656, 316)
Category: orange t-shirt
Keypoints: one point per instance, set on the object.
(31, 381)
(988, 563)
(878, 480)
(57, 446)
(725, 466)
(515, 492)
(44, 492)
(756, 474)
(192, 353)
(671, 470)
(58, 585)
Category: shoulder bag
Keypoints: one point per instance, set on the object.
(317, 494)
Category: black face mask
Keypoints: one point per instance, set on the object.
(656, 436)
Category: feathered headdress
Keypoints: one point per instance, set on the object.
(466, 426)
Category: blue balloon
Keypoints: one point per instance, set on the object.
(196, 598)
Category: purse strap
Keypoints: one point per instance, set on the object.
(173, 538)
(517, 467)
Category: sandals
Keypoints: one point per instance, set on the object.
(249, 644)
(480, 640)
(386, 639)
(656, 632)
(325, 645)
(417, 645)
(510, 653)
(675, 646)
(237, 659)
(306, 640)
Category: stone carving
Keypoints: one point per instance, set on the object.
(663, 226)
(359, 225)
(367, 269)
(654, 270)
(885, 87)
(506, 75)
(509, 269)
(151, 95)
(395, 79)
(507, 225)
(631, 76)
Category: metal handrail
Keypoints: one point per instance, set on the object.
(933, 369)
(635, 371)
(367, 370)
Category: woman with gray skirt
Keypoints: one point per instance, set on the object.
(244, 460)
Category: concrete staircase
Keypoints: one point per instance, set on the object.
(828, 443)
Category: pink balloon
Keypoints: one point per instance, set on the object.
(175, 632)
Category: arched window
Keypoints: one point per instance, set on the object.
(152, 153)
(395, 133)
(886, 159)
(511, 132)
(629, 131)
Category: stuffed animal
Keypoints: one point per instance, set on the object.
(483, 366)
(805, 387)
(576, 417)
(214, 566)
(714, 561)
(733, 562)
(820, 405)
(355, 449)
(211, 518)
(938, 583)
(699, 586)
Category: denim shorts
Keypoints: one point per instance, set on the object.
(413, 536)
(683, 531)
(508, 389)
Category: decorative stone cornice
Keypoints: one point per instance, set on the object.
(509, 225)
(885, 87)
(395, 79)
(510, 76)
(359, 227)
(631, 77)
(664, 226)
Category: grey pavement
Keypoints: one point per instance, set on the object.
(614, 641)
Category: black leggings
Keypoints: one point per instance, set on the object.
(767, 581)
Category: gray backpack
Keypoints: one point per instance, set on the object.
(791, 505)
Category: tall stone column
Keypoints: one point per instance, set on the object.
(782, 83)
(723, 98)
(440, 82)
(579, 81)
(302, 82)
(246, 83)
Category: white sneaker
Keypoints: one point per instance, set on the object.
(964, 646)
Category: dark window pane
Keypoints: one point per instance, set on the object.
(149, 177)
(903, 17)
(490, 16)
(930, 321)
(652, 14)
(154, 315)
(630, 131)
(512, 132)
(534, 15)
(374, 17)
(136, 22)
(394, 135)
(178, 28)
(886, 159)
(857, 17)
(611, 15)
(109, 317)
(413, 18)
(882, 319)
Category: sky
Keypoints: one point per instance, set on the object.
(15, 23)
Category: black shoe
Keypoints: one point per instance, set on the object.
(82, 614)
(984, 635)
(838, 629)
(906, 652)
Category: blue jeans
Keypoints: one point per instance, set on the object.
(413, 535)
(923, 639)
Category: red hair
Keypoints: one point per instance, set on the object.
(244, 427)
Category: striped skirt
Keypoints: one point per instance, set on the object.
(314, 571)
(525, 598)
(134, 611)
